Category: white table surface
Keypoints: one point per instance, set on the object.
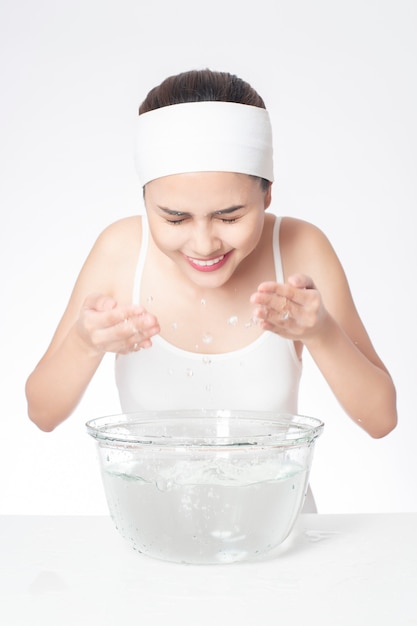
(333, 569)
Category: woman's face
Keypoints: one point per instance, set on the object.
(206, 222)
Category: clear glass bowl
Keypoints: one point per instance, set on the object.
(205, 486)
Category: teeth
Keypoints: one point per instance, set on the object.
(207, 263)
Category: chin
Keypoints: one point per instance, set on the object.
(208, 280)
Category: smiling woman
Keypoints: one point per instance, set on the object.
(208, 252)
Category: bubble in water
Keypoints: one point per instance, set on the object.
(233, 320)
(207, 338)
(163, 485)
(189, 373)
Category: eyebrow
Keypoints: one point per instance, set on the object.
(227, 211)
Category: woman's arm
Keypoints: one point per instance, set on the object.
(322, 315)
(94, 323)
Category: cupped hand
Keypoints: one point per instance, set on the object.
(293, 310)
(106, 326)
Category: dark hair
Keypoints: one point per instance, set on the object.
(202, 86)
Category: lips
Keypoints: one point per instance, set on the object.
(208, 265)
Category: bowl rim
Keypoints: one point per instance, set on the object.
(296, 429)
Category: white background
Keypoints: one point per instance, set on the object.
(339, 79)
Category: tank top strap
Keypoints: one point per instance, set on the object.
(279, 273)
(141, 261)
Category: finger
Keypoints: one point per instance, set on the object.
(145, 323)
(301, 281)
(135, 318)
(283, 294)
(268, 291)
(272, 287)
(273, 295)
(99, 302)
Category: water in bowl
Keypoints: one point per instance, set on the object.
(205, 512)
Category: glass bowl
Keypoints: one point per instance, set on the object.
(205, 486)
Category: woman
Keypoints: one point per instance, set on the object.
(208, 301)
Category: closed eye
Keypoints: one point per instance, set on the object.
(230, 220)
(176, 222)
(178, 217)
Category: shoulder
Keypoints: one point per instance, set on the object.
(301, 239)
(118, 243)
(293, 230)
(120, 235)
(110, 266)
(306, 249)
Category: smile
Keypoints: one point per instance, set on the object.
(208, 265)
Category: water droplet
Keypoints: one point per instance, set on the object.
(203, 302)
(206, 360)
(207, 338)
(189, 373)
(149, 299)
(174, 325)
(209, 388)
(249, 324)
(163, 485)
(233, 320)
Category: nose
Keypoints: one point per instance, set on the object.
(205, 241)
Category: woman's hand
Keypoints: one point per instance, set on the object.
(293, 310)
(105, 326)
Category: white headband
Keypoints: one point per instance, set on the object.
(204, 137)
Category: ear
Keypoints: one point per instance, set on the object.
(268, 197)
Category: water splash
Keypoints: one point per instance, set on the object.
(254, 321)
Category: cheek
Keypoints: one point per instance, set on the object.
(166, 237)
(255, 232)
(169, 242)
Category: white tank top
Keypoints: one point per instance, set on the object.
(263, 375)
